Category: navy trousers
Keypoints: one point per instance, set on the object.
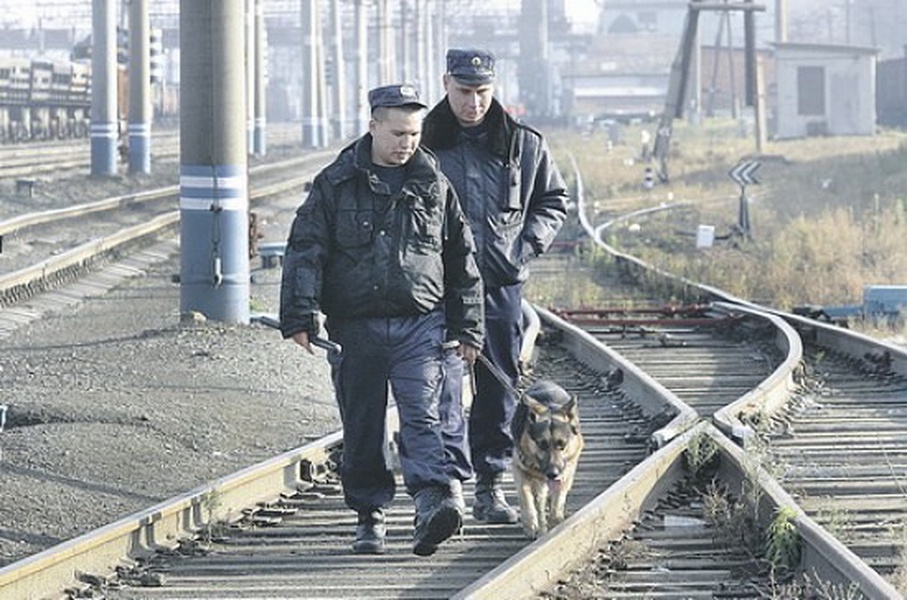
(407, 353)
(487, 440)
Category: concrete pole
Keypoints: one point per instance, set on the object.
(260, 101)
(104, 119)
(250, 73)
(385, 48)
(780, 21)
(749, 55)
(435, 54)
(214, 203)
(324, 129)
(139, 87)
(406, 33)
(309, 74)
(362, 87)
(696, 109)
(421, 77)
(759, 107)
(338, 101)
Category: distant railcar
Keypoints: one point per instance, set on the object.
(43, 99)
(50, 99)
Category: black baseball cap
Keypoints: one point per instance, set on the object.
(399, 94)
(471, 67)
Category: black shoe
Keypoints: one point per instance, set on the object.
(491, 504)
(437, 518)
(370, 533)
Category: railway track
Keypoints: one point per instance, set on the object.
(672, 498)
(36, 159)
(46, 249)
(841, 448)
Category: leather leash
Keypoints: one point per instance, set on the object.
(496, 372)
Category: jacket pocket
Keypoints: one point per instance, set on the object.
(354, 229)
(425, 224)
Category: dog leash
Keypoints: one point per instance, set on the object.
(496, 372)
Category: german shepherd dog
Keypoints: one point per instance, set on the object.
(547, 443)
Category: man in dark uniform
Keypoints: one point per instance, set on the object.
(516, 202)
(382, 248)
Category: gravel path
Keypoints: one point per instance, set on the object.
(115, 405)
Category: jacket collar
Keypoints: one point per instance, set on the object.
(357, 158)
(441, 129)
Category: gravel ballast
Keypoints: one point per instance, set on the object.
(115, 403)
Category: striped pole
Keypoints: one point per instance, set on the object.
(250, 72)
(308, 16)
(139, 87)
(214, 204)
(104, 120)
(362, 62)
(259, 99)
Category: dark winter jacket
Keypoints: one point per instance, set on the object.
(356, 251)
(508, 185)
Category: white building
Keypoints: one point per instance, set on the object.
(825, 89)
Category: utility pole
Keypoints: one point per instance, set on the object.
(139, 87)
(361, 101)
(104, 114)
(780, 21)
(680, 69)
(258, 88)
(310, 120)
(339, 110)
(214, 202)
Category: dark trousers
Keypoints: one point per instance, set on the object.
(407, 353)
(487, 440)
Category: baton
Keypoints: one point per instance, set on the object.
(315, 340)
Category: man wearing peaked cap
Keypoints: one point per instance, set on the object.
(381, 247)
(472, 67)
(516, 201)
(395, 95)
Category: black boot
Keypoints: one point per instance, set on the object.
(370, 533)
(491, 504)
(437, 518)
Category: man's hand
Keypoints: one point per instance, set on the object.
(468, 352)
(302, 338)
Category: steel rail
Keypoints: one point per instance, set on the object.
(42, 217)
(610, 513)
(14, 284)
(163, 525)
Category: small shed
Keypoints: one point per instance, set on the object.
(825, 89)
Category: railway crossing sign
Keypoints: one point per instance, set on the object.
(744, 173)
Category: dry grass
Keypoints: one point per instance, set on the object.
(827, 220)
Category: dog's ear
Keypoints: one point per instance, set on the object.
(571, 409)
(537, 410)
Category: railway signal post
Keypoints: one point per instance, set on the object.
(214, 201)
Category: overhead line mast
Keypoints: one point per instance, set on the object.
(680, 72)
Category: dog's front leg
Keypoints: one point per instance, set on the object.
(558, 503)
(528, 514)
(559, 491)
(541, 498)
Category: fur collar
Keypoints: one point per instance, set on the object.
(440, 128)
